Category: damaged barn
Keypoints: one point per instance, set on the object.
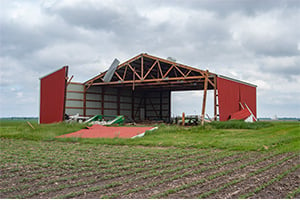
(140, 89)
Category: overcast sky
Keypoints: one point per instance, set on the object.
(254, 41)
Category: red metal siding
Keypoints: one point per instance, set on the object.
(248, 96)
(230, 93)
(52, 96)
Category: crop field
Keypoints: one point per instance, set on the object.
(52, 168)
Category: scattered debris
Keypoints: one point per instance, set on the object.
(75, 118)
(188, 120)
(100, 119)
(30, 125)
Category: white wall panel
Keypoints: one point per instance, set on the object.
(75, 87)
(93, 104)
(71, 95)
(73, 111)
(93, 112)
(70, 103)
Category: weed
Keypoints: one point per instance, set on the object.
(293, 193)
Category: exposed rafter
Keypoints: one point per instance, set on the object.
(149, 69)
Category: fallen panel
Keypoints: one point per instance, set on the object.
(241, 115)
(99, 131)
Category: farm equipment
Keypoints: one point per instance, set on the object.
(188, 120)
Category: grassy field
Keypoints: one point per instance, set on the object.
(219, 160)
(233, 135)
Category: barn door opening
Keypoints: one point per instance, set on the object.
(190, 102)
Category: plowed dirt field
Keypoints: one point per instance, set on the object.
(32, 169)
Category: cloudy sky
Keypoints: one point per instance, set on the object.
(254, 41)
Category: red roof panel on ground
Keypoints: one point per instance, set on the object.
(242, 114)
(99, 131)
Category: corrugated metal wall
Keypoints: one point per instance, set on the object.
(134, 105)
(52, 96)
(230, 93)
(152, 106)
(74, 100)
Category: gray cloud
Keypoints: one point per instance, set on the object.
(224, 8)
(256, 41)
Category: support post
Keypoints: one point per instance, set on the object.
(204, 97)
(142, 67)
(215, 98)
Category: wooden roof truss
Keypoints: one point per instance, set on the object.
(145, 71)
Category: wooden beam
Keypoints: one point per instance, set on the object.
(204, 97)
(150, 69)
(188, 73)
(168, 71)
(69, 81)
(133, 70)
(124, 75)
(142, 67)
(152, 80)
(180, 71)
(159, 67)
(116, 73)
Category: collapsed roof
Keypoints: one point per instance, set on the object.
(144, 71)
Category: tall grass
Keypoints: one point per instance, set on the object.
(236, 124)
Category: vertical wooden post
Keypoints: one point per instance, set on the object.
(133, 79)
(102, 100)
(142, 67)
(204, 97)
(183, 119)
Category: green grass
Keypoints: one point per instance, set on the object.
(19, 129)
(236, 124)
(233, 135)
